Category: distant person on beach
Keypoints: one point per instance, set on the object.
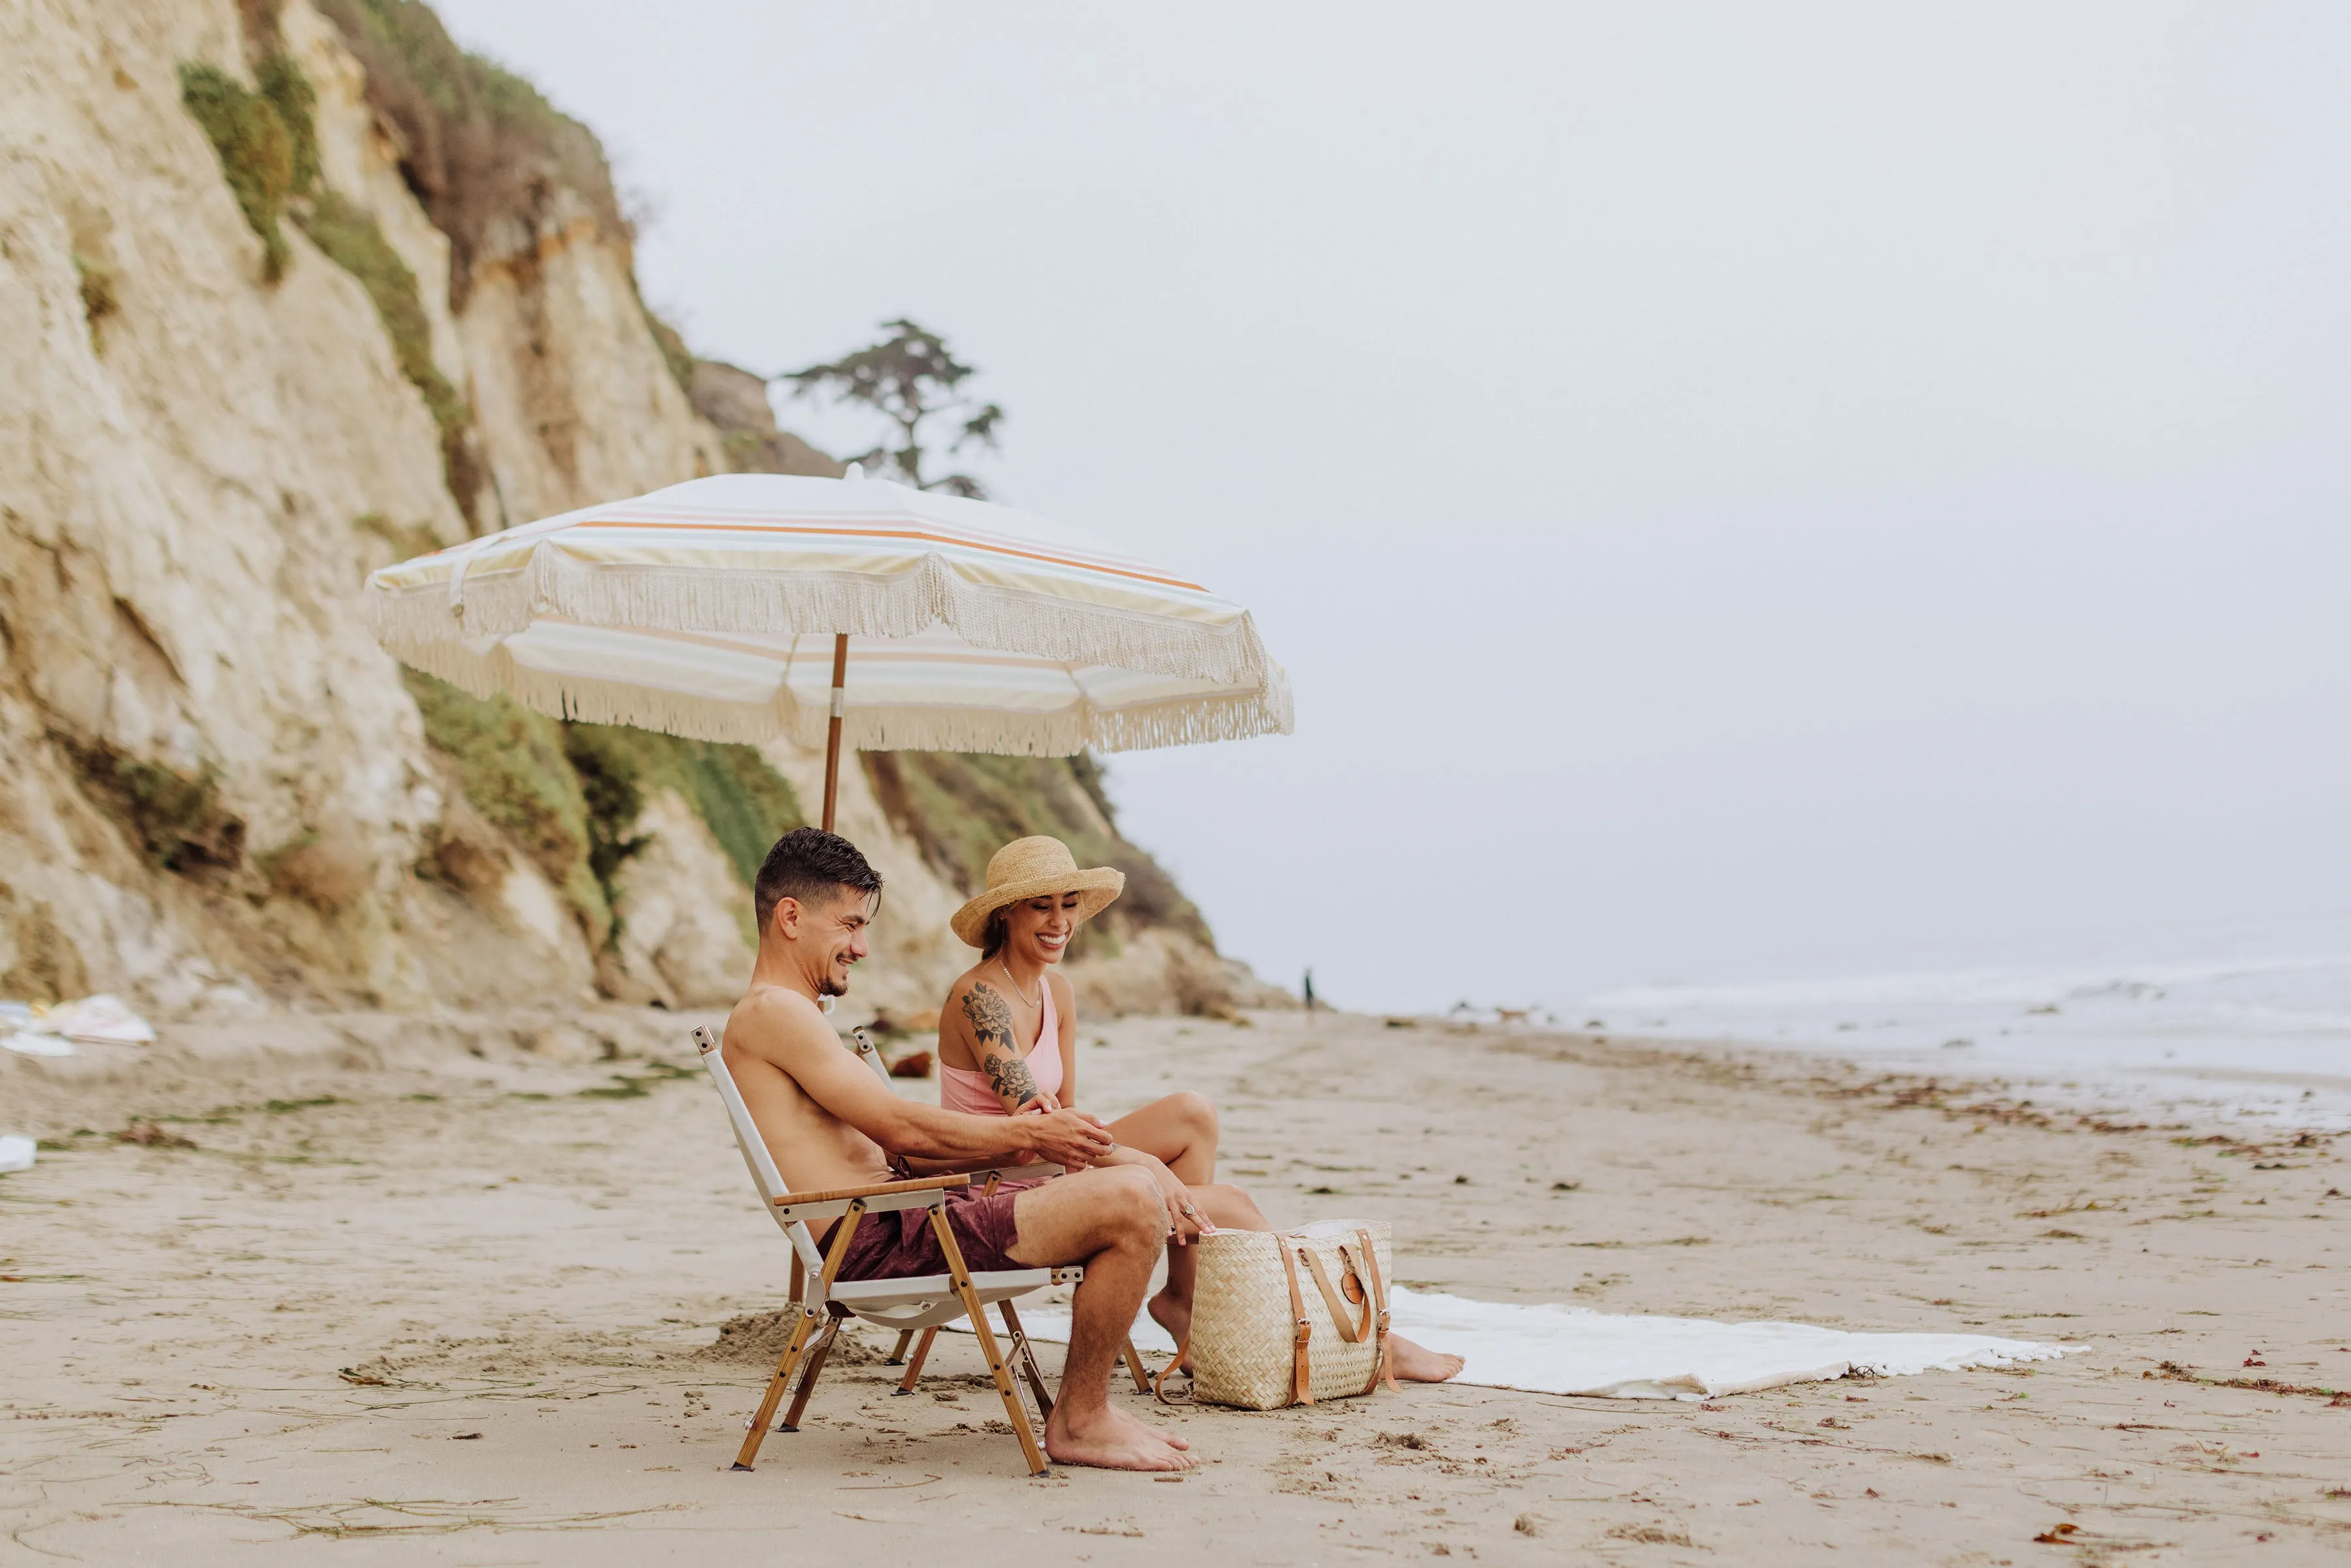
(1035, 900)
(829, 1123)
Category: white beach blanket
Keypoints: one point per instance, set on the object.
(15, 1153)
(1548, 1349)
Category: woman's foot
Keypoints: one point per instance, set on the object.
(1175, 1317)
(1417, 1363)
(1108, 1440)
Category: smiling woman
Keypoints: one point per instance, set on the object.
(1009, 1045)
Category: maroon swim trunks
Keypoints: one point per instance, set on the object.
(901, 1244)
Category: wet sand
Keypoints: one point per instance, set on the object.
(463, 1313)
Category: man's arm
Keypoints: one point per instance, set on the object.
(791, 1035)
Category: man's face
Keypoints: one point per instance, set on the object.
(833, 937)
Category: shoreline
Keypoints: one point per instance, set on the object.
(2325, 1105)
(382, 1243)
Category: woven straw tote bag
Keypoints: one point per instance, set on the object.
(1288, 1317)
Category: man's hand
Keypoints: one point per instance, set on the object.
(1068, 1138)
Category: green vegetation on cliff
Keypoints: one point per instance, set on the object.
(510, 763)
(478, 144)
(570, 794)
(961, 808)
(268, 139)
(257, 153)
(351, 239)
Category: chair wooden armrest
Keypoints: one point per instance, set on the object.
(842, 1194)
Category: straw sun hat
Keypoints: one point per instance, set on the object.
(1030, 868)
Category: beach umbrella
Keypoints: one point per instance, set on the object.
(855, 611)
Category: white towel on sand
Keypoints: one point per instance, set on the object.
(1548, 1349)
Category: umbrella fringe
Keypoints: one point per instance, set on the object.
(1183, 721)
(751, 603)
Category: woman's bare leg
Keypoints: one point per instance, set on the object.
(1180, 1131)
(1228, 1208)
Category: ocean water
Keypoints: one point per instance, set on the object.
(2224, 1038)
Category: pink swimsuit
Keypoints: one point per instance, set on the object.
(961, 1089)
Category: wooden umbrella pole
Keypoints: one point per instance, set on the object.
(832, 729)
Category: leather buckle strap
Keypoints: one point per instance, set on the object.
(1301, 1373)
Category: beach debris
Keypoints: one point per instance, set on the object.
(2058, 1534)
(364, 1379)
(1651, 1535)
(102, 1019)
(148, 1135)
(913, 1064)
(16, 1153)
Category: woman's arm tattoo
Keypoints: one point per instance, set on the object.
(1009, 1077)
(991, 1021)
(999, 1058)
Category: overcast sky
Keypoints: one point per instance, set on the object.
(1742, 491)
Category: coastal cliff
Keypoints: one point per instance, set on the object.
(291, 291)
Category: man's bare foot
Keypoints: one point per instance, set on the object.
(1170, 1438)
(1108, 1440)
(1175, 1317)
(1417, 1363)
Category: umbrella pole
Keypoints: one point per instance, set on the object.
(832, 729)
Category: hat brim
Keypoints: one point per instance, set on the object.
(1100, 887)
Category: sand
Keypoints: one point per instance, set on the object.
(463, 1313)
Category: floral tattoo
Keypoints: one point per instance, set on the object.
(999, 1058)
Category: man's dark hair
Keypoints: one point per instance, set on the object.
(809, 864)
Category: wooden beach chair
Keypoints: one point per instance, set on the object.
(871, 1056)
(920, 1304)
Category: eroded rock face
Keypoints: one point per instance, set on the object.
(186, 458)
(685, 920)
(217, 793)
(215, 779)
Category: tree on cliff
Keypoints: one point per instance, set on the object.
(912, 380)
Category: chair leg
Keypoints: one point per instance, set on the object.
(774, 1395)
(1134, 1368)
(914, 1367)
(898, 1357)
(1026, 1359)
(817, 1353)
(1014, 1411)
(842, 1232)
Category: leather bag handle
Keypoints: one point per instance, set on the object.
(1352, 1332)
(1382, 1368)
(1159, 1384)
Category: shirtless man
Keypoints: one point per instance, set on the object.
(829, 1123)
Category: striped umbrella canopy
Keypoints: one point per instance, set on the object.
(857, 611)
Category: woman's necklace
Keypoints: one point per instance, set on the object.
(1017, 991)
